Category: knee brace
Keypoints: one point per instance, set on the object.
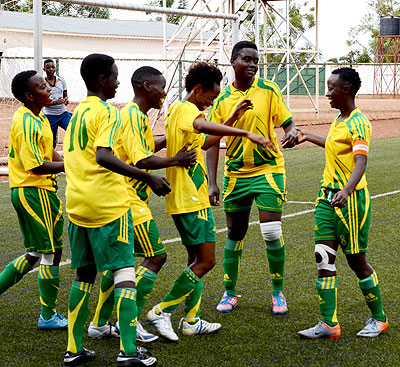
(323, 250)
(47, 259)
(124, 275)
(34, 254)
(271, 231)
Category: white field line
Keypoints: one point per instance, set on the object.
(178, 239)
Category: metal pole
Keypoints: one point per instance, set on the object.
(165, 54)
(37, 34)
(221, 33)
(317, 61)
(287, 55)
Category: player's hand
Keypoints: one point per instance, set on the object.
(213, 195)
(289, 140)
(66, 101)
(241, 108)
(340, 198)
(59, 101)
(159, 185)
(185, 158)
(260, 140)
(302, 135)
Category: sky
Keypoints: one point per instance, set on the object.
(336, 17)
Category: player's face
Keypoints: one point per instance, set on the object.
(335, 91)
(206, 97)
(39, 93)
(246, 64)
(50, 69)
(157, 91)
(111, 83)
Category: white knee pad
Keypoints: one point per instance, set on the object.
(271, 231)
(47, 259)
(323, 250)
(124, 275)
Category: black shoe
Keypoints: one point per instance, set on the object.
(137, 360)
(75, 359)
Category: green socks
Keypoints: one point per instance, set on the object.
(105, 305)
(49, 282)
(145, 279)
(78, 312)
(192, 303)
(232, 257)
(370, 289)
(125, 304)
(276, 261)
(14, 272)
(327, 295)
(182, 288)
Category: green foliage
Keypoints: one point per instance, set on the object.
(174, 19)
(251, 335)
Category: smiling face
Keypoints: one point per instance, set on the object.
(156, 91)
(39, 93)
(245, 64)
(336, 91)
(111, 83)
(205, 97)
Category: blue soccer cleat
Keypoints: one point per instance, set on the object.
(57, 321)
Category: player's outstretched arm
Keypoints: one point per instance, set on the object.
(50, 167)
(304, 135)
(212, 168)
(107, 159)
(290, 138)
(183, 158)
(240, 109)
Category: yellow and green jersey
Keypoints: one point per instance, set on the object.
(95, 195)
(30, 145)
(136, 143)
(189, 187)
(244, 158)
(346, 138)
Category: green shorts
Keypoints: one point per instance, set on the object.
(269, 191)
(40, 218)
(347, 226)
(109, 247)
(147, 240)
(197, 227)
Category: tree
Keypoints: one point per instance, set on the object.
(57, 9)
(370, 25)
(174, 19)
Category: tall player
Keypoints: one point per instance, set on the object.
(251, 172)
(342, 213)
(137, 148)
(33, 164)
(98, 206)
(188, 201)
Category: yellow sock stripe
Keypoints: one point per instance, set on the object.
(366, 211)
(118, 310)
(334, 317)
(20, 263)
(374, 278)
(72, 316)
(238, 246)
(42, 302)
(164, 305)
(323, 283)
(26, 206)
(194, 311)
(103, 296)
(86, 287)
(281, 241)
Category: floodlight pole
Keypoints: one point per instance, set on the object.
(37, 34)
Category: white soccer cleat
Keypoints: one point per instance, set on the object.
(99, 332)
(162, 323)
(199, 328)
(142, 335)
(321, 330)
(373, 328)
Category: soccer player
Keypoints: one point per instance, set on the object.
(56, 112)
(137, 149)
(252, 173)
(188, 201)
(98, 207)
(343, 207)
(33, 164)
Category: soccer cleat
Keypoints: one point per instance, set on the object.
(279, 306)
(57, 321)
(75, 359)
(99, 332)
(200, 327)
(227, 303)
(143, 336)
(138, 359)
(321, 330)
(373, 328)
(162, 323)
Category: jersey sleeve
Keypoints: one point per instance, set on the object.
(187, 115)
(32, 150)
(64, 83)
(215, 113)
(281, 115)
(360, 135)
(134, 141)
(109, 123)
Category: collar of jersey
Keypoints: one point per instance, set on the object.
(245, 92)
(348, 118)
